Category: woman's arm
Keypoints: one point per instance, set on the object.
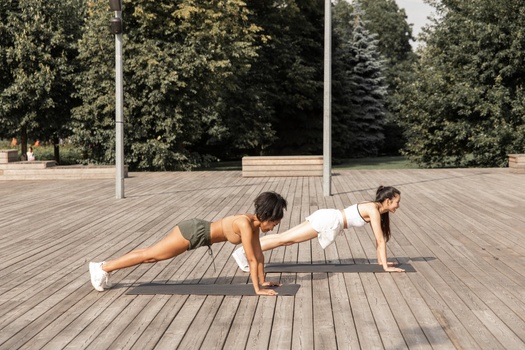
(375, 222)
(254, 255)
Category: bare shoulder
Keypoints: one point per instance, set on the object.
(239, 222)
(368, 209)
(367, 206)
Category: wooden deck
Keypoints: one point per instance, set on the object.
(462, 229)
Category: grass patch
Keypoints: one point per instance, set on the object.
(341, 164)
(397, 162)
(233, 165)
(69, 154)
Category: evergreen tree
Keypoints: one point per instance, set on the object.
(389, 22)
(359, 88)
(466, 108)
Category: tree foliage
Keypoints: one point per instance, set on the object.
(394, 33)
(37, 39)
(466, 106)
(201, 79)
(389, 22)
(289, 69)
(359, 89)
(278, 108)
(180, 58)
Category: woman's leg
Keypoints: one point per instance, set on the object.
(170, 246)
(297, 234)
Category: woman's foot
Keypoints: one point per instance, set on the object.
(240, 259)
(99, 277)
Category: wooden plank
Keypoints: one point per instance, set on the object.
(391, 337)
(412, 333)
(460, 228)
(313, 159)
(426, 321)
(364, 321)
(180, 324)
(274, 172)
(201, 323)
(156, 328)
(303, 335)
(218, 330)
(282, 166)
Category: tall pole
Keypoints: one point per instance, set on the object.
(116, 26)
(327, 98)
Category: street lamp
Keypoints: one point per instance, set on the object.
(327, 98)
(117, 28)
(115, 5)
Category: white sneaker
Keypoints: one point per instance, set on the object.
(107, 282)
(240, 259)
(99, 277)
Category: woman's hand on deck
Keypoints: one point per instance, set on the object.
(266, 292)
(271, 284)
(394, 269)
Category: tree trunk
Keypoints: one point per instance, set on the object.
(56, 149)
(23, 142)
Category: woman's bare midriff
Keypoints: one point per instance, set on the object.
(223, 230)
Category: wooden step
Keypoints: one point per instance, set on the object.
(517, 163)
(35, 164)
(260, 166)
(59, 172)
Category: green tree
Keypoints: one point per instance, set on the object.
(180, 60)
(37, 60)
(466, 106)
(389, 22)
(288, 72)
(394, 33)
(278, 108)
(246, 106)
(360, 90)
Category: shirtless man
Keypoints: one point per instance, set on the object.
(194, 233)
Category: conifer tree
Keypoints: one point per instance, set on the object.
(361, 89)
(394, 33)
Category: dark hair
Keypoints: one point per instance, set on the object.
(269, 206)
(382, 194)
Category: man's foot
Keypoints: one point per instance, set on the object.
(240, 259)
(99, 277)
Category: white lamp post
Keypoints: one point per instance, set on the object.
(327, 105)
(116, 28)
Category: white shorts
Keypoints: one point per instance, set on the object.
(328, 223)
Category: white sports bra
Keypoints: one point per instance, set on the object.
(353, 217)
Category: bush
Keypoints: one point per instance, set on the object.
(69, 153)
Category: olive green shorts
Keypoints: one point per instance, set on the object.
(197, 232)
